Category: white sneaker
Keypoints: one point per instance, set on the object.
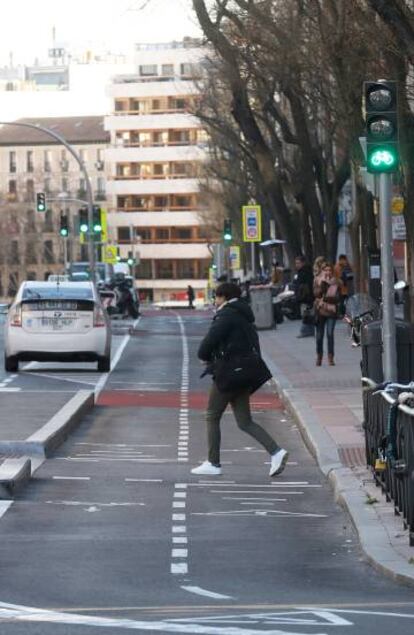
(207, 469)
(278, 462)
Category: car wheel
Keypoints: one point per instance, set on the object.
(11, 364)
(104, 364)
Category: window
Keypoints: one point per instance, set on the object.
(144, 270)
(48, 226)
(155, 104)
(158, 169)
(29, 190)
(65, 185)
(30, 222)
(14, 256)
(83, 156)
(182, 201)
(183, 233)
(190, 70)
(120, 105)
(160, 202)
(31, 275)
(164, 269)
(185, 268)
(124, 235)
(12, 161)
(47, 161)
(82, 188)
(144, 233)
(13, 283)
(146, 70)
(64, 163)
(47, 185)
(162, 233)
(29, 161)
(48, 255)
(31, 254)
(167, 70)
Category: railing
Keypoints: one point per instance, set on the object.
(389, 444)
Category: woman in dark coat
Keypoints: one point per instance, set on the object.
(232, 332)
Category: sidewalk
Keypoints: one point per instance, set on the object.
(327, 403)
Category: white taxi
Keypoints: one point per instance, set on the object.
(57, 321)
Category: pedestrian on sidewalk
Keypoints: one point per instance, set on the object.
(343, 271)
(232, 334)
(190, 296)
(326, 290)
(302, 286)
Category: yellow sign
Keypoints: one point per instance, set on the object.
(397, 205)
(109, 254)
(104, 225)
(252, 223)
(234, 257)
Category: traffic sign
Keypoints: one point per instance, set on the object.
(252, 223)
(109, 254)
(234, 256)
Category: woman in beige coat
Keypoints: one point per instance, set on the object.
(326, 289)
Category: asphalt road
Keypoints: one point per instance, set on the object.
(115, 533)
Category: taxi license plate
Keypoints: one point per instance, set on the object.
(56, 324)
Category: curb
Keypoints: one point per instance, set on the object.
(348, 490)
(16, 472)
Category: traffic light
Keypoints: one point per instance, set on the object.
(64, 226)
(97, 223)
(130, 259)
(381, 120)
(40, 202)
(227, 234)
(83, 220)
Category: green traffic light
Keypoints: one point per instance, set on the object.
(227, 236)
(97, 228)
(84, 228)
(383, 160)
(64, 232)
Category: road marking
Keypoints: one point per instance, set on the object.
(179, 529)
(71, 478)
(179, 568)
(179, 553)
(4, 506)
(208, 594)
(180, 540)
(104, 378)
(260, 512)
(144, 480)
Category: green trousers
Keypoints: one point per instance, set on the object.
(240, 404)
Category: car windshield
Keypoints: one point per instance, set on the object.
(57, 292)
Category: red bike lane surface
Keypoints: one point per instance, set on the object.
(261, 401)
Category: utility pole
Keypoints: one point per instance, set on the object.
(387, 280)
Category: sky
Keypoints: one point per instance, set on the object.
(26, 26)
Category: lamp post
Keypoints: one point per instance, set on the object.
(58, 137)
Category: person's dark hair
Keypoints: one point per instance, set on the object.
(228, 290)
(300, 257)
(342, 256)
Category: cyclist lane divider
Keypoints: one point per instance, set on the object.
(16, 472)
(381, 534)
(26, 455)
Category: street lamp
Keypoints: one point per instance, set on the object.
(89, 193)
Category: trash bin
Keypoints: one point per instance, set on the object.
(371, 343)
(262, 307)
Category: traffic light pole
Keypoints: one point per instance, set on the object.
(58, 137)
(387, 280)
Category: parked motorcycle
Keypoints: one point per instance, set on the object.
(120, 298)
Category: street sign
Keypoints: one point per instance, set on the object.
(397, 205)
(104, 226)
(398, 227)
(252, 223)
(109, 254)
(234, 255)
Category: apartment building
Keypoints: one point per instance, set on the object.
(156, 150)
(30, 161)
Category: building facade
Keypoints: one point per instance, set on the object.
(156, 150)
(30, 162)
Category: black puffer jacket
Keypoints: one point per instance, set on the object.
(232, 332)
